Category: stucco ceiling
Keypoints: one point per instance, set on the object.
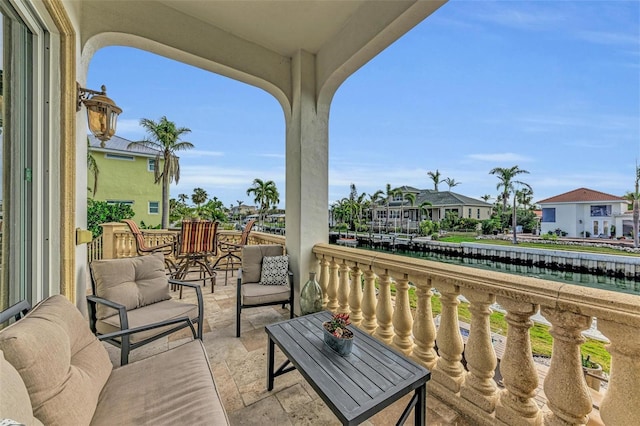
(281, 26)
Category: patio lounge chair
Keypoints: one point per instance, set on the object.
(197, 243)
(134, 292)
(142, 248)
(230, 252)
(258, 286)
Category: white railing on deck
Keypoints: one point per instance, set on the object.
(94, 249)
(569, 308)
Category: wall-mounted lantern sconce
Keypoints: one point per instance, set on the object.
(102, 112)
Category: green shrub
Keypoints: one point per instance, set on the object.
(100, 212)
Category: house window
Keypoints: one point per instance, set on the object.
(119, 157)
(151, 164)
(548, 214)
(478, 214)
(125, 202)
(602, 210)
(469, 212)
(154, 207)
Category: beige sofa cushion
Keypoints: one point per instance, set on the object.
(132, 282)
(62, 364)
(165, 310)
(252, 260)
(14, 398)
(171, 388)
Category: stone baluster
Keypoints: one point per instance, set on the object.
(424, 330)
(565, 371)
(343, 288)
(516, 404)
(332, 287)
(449, 372)
(355, 296)
(384, 309)
(324, 281)
(622, 399)
(369, 323)
(402, 319)
(479, 386)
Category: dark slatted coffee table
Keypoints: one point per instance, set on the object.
(355, 387)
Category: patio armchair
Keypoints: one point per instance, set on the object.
(168, 249)
(263, 280)
(230, 252)
(134, 292)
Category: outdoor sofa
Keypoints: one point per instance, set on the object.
(54, 371)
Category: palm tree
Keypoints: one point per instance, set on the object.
(411, 197)
(373, 199)
(636, 208)
(514, 219)
(390, 193)
(423, 208)
(265, 195)
(435, 177)
(506, 175)
(165, 140)
(486, 198)
(525, 196)
(199, 197)
(451, 183)
(92, 167)
(183, 198)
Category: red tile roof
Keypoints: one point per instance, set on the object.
(582, 195)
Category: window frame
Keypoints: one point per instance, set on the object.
(149, 207)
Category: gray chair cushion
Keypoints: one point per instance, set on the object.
(255, 294)
(132, 282)
(14, 398)
(171, 388)
(165, 310)
(252, 260)
(62, 364)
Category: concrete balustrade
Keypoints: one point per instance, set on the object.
(473, 391)
(359, 282)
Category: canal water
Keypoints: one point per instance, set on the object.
(605, 282)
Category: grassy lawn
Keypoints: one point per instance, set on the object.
(541, 340)
(588, 249)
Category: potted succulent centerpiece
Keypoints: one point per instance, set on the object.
(593, 372)
(336, 334)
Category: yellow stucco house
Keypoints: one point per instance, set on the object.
(126, 175)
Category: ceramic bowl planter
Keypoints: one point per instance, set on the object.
(336, 334)
(341, 345)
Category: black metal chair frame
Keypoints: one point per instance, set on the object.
(240, 305)
(142, 249)
(124, 343)
(15, 311)
(230, 260)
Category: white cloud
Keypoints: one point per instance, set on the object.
(129, 128)
(500, 157)
(200, 153)
(271, 155)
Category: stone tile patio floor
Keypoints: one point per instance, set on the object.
(239, 367)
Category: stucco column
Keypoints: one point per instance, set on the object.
(307, 173)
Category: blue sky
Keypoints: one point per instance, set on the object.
(550, 86)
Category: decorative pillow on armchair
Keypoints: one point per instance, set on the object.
(275, 270)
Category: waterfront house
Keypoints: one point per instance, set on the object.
(403, 213)
(126, 175)
(585, 212)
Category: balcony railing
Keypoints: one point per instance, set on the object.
(359, 282)
(474, 393)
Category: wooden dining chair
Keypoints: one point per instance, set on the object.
(230, 253)
(168, 249)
